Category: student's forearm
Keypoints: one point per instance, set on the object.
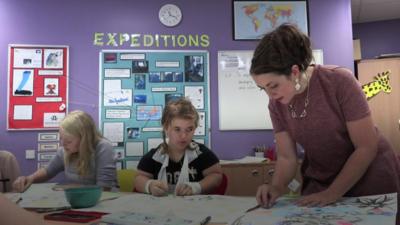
(352, 171)
(39, 176)
(140, 182)
(210, 182)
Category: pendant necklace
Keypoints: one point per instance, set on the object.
(291, 108)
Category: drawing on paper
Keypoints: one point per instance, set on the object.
(367, 210)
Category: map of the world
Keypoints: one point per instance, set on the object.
(254, 19)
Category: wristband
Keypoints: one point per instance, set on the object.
(196, 188)
(147, 186)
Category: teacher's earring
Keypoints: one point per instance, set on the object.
(297, 86)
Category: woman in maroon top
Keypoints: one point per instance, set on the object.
(324, 109)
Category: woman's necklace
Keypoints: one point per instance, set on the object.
(291, 108)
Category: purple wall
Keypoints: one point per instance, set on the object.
(331, 31)
(74, 22)
(378, 37)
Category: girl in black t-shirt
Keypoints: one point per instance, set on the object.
(178, 165)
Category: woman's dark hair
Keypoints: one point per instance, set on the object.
(280, 49)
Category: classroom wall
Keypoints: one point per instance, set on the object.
(377, 38)
(74, 22)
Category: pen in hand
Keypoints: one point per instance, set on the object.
(206, 220)
(18, 201)
(253, 208)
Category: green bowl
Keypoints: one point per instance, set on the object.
(83, 197)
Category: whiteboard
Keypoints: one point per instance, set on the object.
(242, 106)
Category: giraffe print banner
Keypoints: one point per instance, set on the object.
(380, 83)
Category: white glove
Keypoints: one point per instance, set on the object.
(196, 188)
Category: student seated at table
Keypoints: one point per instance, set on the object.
(11, 214)
(179, 165)
(85, 157)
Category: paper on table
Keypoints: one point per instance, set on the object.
(126, 218)
(246, 159)
(14, 197)
(222, 209)
(366, 210)
(42, 196)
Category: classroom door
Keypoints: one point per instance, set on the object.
(385, 107)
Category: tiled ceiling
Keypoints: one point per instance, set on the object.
(374, 10)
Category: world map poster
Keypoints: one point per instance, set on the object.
(253, 19)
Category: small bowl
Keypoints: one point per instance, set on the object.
(83, 197)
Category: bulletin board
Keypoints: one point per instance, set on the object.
(242, 106)
(37, 90)
(135, 86)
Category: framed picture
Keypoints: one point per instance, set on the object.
(253, 19)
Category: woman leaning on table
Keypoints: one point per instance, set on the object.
(86, 157)
(324, 109)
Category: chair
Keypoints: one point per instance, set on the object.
(9, 170)
(126, 179)
(221, 189)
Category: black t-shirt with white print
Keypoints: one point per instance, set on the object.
(205, 159)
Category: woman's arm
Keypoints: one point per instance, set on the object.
(365, 140)
(286, 163)
(285, 170)
(212, 178)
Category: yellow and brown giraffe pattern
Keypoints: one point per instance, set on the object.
(380, 83)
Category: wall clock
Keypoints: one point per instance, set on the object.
(170, 15)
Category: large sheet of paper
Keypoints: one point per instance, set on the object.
(222, 209)
(42, 196)
(366, 210)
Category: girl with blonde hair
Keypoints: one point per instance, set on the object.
(85, 157)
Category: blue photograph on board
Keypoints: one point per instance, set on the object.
(155, 77)
(140, 81)
(133, 132)
(172, 97)
(194, 68)
(168, 77)
(178, 77)
(148, 112)
(139, 98)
